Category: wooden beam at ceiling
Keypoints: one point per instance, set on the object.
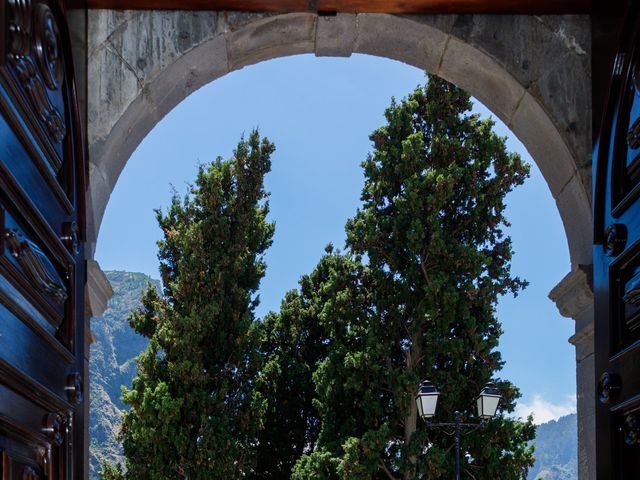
(358, 6)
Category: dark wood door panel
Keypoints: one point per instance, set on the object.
(19, 467)
(38, 278)
(33, 267)
(19, 305)
(30, 353)
(48, 164)
(625, 145)
(617, 266)
(621, 366)
(42, 267)
(625, 458)
(59, 237)
(33, 440)
(23, 176)
(624, 320)
(32, 71)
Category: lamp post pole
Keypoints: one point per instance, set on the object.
(455, 429)
(427, 399)
(457, 417)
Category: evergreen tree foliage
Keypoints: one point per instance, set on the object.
(194, 412)
(325, 388)
(428, 259)
(293, 342)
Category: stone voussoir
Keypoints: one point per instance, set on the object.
(400, 38)
(491, 84)
(336, 35)
(271, 37)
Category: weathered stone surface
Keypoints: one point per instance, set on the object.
(138, 119)
(567, 106)
(188, 73)
(105, 23)
(546, 146)
(544, 143)
(98, 289)
(573, 295)
(112, 87)
(127, 50)
(583, 341)
(271, 37)
(585, 374)
(575, 211)
(490, 83)
(97, 199)
(231, 21)
(336, 35)
(547, 55)
(400, 38)
(574, 298)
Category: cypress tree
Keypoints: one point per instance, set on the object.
(430, 261)
(194, 412)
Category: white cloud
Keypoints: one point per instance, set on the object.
(543, 410)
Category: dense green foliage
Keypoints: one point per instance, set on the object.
(324, 389)
(112, 364)
(293, 342)
(194, 412)
(427, 262)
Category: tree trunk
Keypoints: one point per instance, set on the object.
(410, 422)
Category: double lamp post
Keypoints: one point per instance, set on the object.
(427, 399)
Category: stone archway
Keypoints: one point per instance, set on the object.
(142, 64)
(532, 72)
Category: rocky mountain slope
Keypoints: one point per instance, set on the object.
(112, 365)
(556, 450)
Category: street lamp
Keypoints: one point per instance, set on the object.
(488, 401)
(427, 399)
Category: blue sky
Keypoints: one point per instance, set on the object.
(319, 113)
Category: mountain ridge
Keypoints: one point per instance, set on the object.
(556, 450)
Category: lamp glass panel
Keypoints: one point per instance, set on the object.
(428, 407)
(488, 405)
(419, 404)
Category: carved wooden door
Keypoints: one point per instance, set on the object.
(617, 266)
(42, 266)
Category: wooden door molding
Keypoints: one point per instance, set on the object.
(42, 234)
(617, 265)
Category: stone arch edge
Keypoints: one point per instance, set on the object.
(394, 37)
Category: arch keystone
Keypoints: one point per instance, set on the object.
(336, 35)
